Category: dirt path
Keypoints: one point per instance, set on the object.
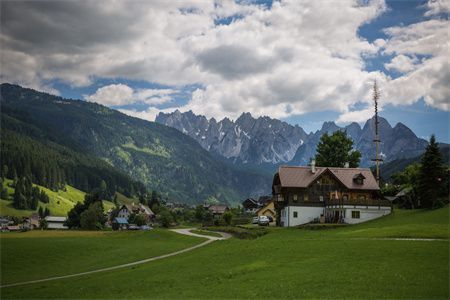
(209, 240)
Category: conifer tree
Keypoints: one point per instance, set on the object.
(432, 183)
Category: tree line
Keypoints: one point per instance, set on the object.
(53, 166)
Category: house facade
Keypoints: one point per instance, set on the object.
(332, 195)
(250, 205)
(267, 210)
(56, 222)
(127, 209)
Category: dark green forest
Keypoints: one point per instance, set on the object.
(56, 141)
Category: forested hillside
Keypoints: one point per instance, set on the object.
(55, 134)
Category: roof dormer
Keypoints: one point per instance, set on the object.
(359, 179)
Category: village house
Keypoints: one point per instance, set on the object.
(127, 209)
(56, 222)
(250, 206)
(333, 195)
(216, 210)
(267, 210)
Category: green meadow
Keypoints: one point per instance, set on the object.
(60, 203)
(360, 261)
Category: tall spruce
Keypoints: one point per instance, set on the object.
(432, 181)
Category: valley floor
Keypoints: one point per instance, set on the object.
(351, 262)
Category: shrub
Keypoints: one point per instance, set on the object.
(240, 232)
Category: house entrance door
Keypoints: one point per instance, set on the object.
(336, 216)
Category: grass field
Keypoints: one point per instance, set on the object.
(60, 202)
(34, 254)
(349, 262)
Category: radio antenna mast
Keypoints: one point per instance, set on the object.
(377, 141)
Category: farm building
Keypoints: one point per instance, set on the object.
(333, 195)
(127, 209)
(56, 222)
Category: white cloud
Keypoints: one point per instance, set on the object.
(121, 94)
(436, 7)
(402, 63)
(294, 58)
(358, 116)
(427, 78)
(149, 114)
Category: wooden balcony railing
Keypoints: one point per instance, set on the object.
(360, 202)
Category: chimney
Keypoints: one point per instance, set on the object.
(313, 166)
(347, 165)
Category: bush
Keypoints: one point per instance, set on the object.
(241, 221)
(227, 217)
(240, 232)
(165, 218)
(93, 218)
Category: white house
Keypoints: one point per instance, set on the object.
(332, 195)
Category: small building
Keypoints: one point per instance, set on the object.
(127, 209)
(334, 195)
(120, 223)
(217, 210)
(56, 222)
(32, 222)
(13, 228)
(250, 205)
(267, 210)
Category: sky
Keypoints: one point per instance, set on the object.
(304, 62)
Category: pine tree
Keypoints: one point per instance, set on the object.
(431, 182)
(41, 212)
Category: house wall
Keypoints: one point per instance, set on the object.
(305, 215)
(267, 210)
(56, 225)
(365, 214)
(124, 213)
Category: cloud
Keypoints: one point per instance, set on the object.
(149, 114)
(428, 77)
(292, 58)
(402, 63)
(358, 116)
(121, 94)
(436, 7)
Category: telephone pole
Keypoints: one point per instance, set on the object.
(377, 141)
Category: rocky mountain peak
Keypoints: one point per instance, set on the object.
(267, 140)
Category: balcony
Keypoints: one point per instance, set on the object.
(359, 202)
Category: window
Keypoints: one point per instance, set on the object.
(355, 214)
(362, 197)
(321, 198)
(345, 197)
(305, 196)
(295, 197)
(295, 214)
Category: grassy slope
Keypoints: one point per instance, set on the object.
(286, 263)
(60, 202)
(37, 254)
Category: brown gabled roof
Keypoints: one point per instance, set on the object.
(302, 177)
(218, 209)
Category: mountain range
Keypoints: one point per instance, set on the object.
(263, 140)
(162, 158)
(197, 160)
